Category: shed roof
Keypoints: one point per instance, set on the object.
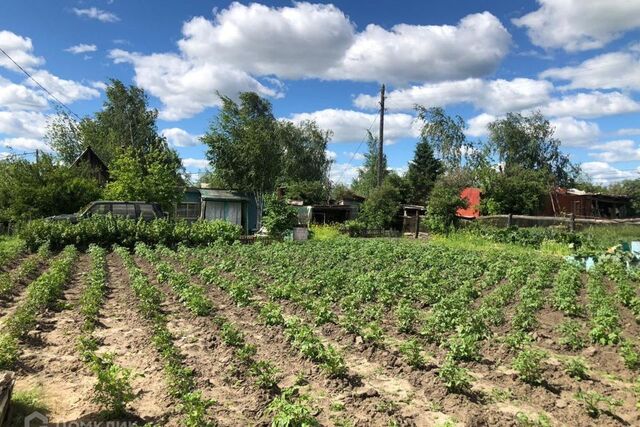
(213, 194)
(89, 155)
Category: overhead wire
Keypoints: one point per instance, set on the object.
(353, 155)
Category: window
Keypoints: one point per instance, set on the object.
(189, 211)
(99, 209)
(147, 212)
(124, 210)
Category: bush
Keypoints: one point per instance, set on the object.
(444, 202)
(279, 217)
(106, 231)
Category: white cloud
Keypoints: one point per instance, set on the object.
(331, 155)
(617, 151)
(81, 48)
(95, 13)
(493, 96)
(629, 131)
(177, 137)
(290, 42)
(352, 126)
(473, 48)
(355, 156)
(67, 91)
(478, 125)
(20, 49)
(575, 133)
(246, 47)
(18, 97)
(29, 124)
(186, 88)
(607, 71)
(24, 144)
(576, 25)
(191, 163)
(343, 173)
(604, 173)
(594, 104)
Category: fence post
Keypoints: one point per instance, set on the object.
(417, 224)
(509, 220)
(572, 223)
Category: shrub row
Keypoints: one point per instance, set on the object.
(107, 230)
(529, 236)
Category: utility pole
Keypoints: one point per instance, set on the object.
(381, 137)
(37, 156)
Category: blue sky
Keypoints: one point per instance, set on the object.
(577, 61)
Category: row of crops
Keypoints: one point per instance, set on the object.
(346, 331)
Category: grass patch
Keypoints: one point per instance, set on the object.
(24, 403)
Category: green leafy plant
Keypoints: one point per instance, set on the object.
(195, 409)
(291, 409)
(630, 355)
(412, 352)
(265, 374)
(9, 351)
(570, 335)
(528, 363)
(455, 378)
(576, 368)
(113, 391)
(524, 420)
(592, 402)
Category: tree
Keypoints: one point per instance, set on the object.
(44, 188)
(631, 188)
(279, 216)
(444, 134)
(444, 202)
(154, 180)
(519, 191)
(367, 179)
(528, 142)
(380, 209)
(64, 136)
(311, 192)
(304, 152)
(422, 173)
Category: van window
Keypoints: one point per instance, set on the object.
(99, 209)
(147, 212)
(124, 210)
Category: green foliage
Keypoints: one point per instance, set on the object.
(444, 134)
(525, 420)
(324, 232)
(113, 390)
(381, 206)
(517, 191)
(271, 314)
(153, 178)
(527, 142)
(444, 202)
(44, 188)
(528, 363)
(576, 368)
(423, 172)
(310, 192)
(630, 355)
(24, 403)
(194, 407)
(279, 217)
(454, 377)
(367, 180)
(571, 336)
(592, 400)
(9, 351)
(411, 350)
(631, 188)
(291, 409)
(231, 335)
(106, 231)
(265, 374)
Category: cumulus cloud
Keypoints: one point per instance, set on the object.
(186, 88)
(177, 137)
(352, 126)
(472, 48)
(191, 163)
(28, 124)
(331, 155)
(594, 104)
(95, 13)
(343, 173)
(617, 151)
(18, 97)
(615, 70)
(493, 96)
(81, 48)
(67, 91)
(478, 125)
(24, 144)
(604, 173)
(576, 25)
(246, 47)
(20, 49)
(629, 131)
(575, 133)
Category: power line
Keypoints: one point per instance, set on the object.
(40, 85)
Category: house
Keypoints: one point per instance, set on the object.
(214, 204)
(583, 204)
(97, 167)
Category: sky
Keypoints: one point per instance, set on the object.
(576, 61)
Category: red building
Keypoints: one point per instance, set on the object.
(585, 205)
(472, 196)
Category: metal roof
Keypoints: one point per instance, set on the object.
(212, 194)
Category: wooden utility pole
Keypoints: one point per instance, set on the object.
(381, 137)
(37, 156)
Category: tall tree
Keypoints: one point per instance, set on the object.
(367, 178)
(445, 135)
(528, 142)
(304, 152)
(37, 189)
(423, 172)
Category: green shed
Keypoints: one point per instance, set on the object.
(213, 204)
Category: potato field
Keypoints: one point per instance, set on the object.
(343, 332)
